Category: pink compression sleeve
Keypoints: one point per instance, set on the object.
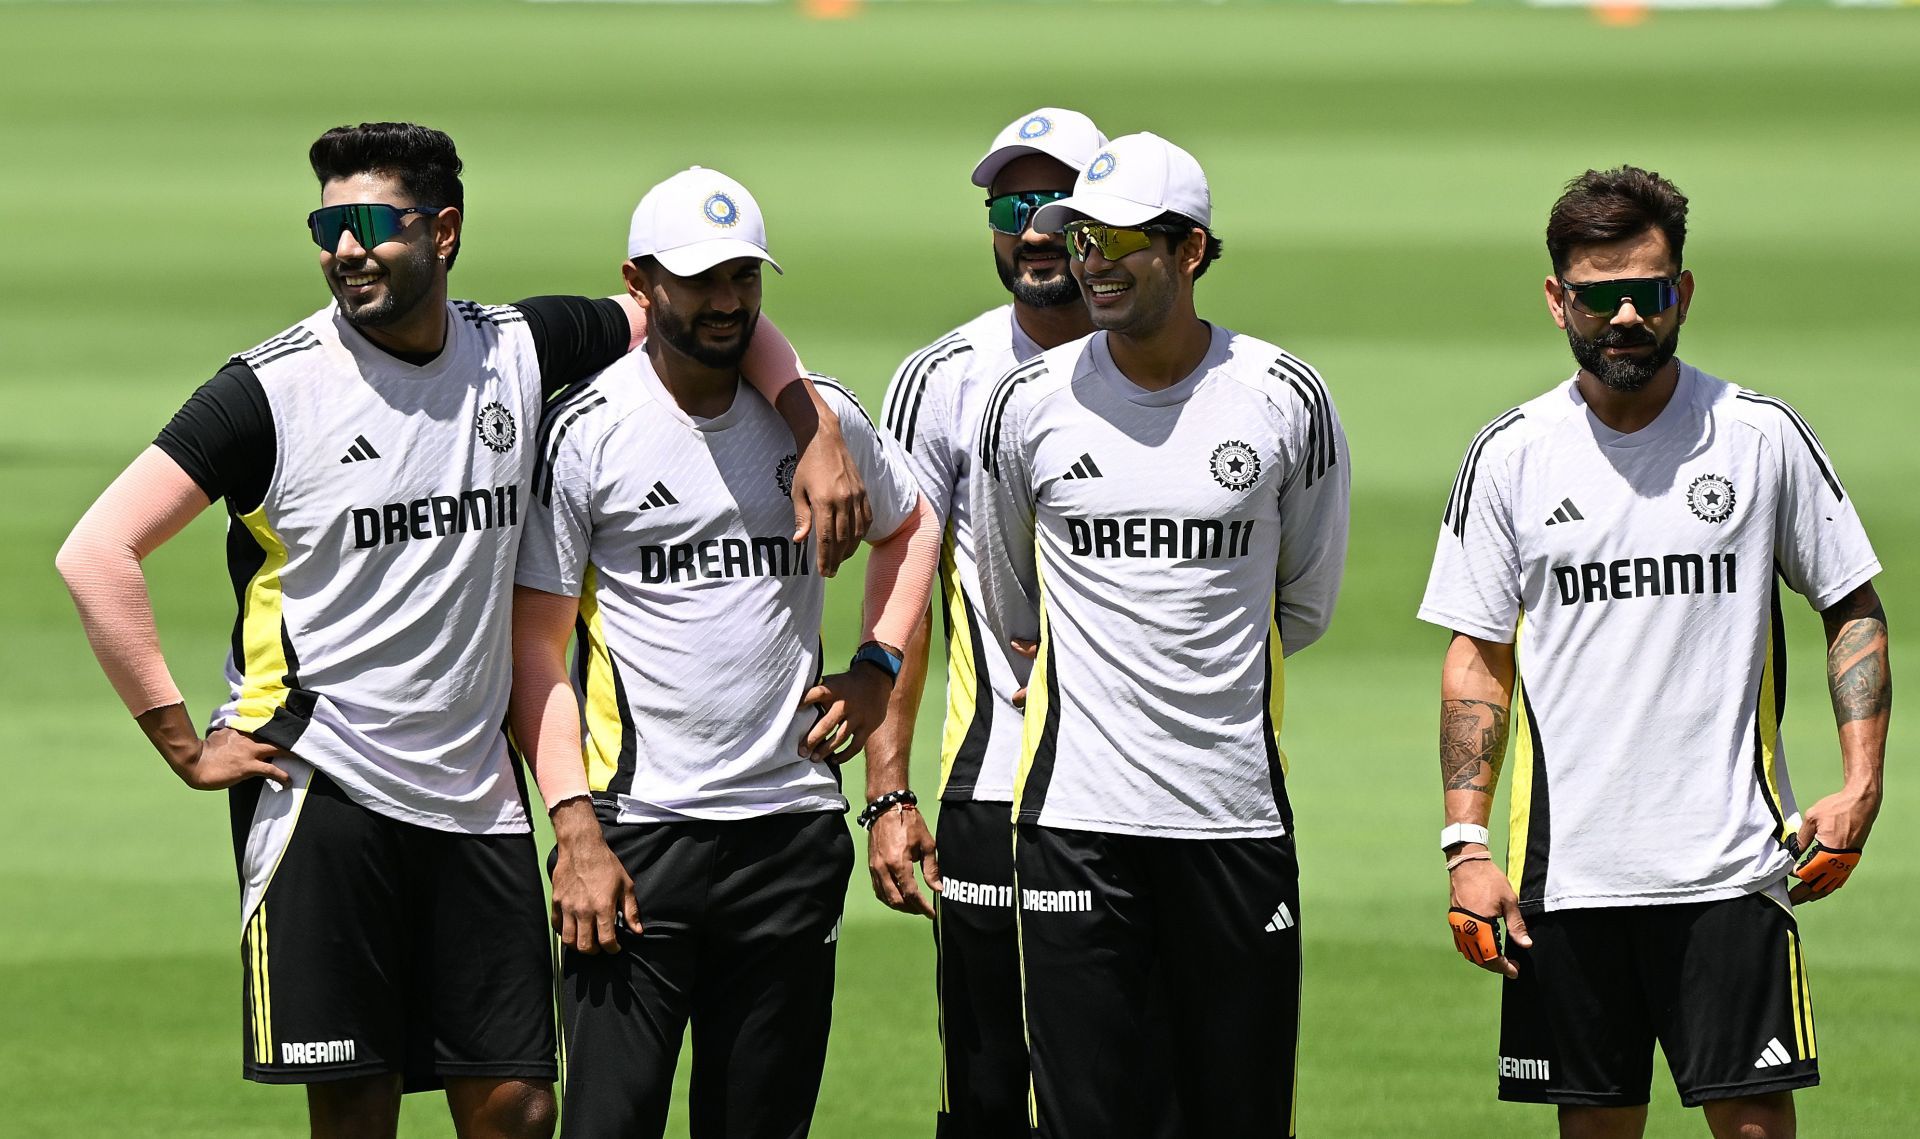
(900, 578)
(151, 501)
(771, 362)
(545, 719)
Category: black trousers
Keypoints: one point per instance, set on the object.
(983, 1042)
(1120, 931)
(740, 921)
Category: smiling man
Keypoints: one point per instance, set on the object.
(933, 408)
(375, 461)
(1163, 507)
(702, 859)
(1609, 565)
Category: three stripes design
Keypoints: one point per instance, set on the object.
(659, 496)
(1566, 512)
(254, 950)
(1084, 469)
(361, 449)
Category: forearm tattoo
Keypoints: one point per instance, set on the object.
(1473, 744)
(1857, 673)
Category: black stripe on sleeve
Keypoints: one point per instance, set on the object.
(830, 384)
(553, 430)
(902, 413)
(1456, 516)
(1322, 447)
(990, 423)
(573, 337)
(1806, 436)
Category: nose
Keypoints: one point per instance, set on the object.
(725, 298)
(348, 248)
(1626, 315)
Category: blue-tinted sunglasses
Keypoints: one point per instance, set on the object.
(370, 223)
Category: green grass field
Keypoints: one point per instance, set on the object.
(1381, 178)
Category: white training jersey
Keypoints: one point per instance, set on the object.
(699, 626)
(933, 409)
(1166, 549)
(1638, 577)
(372, 573)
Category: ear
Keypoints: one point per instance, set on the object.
(1192, 251)
(1686, 293)
(1556, 301)
(636, 283)
(446, 231)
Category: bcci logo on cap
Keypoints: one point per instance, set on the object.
(721, 211)
(1100, 167)
(1035, 127)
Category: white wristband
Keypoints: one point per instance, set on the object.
(1462, 832)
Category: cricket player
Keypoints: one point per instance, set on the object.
(1163, 507)
(375, 461)
(1610, 565)
(702, 859)
(933, 409)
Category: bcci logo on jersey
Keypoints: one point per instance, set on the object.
(496, 427)
(783, 474)
(1710, 498)
(1234, 465)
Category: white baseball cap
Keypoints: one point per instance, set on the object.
(1135, 179)
(695, 220)
(1068, 136)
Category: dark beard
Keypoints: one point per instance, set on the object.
(409, 280)
(1064, 291)
(1624, 374)
(679, 334)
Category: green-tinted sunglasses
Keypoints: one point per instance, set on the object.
(1650, 295)
(1113, 241)
(1010, 213)
(370, 223)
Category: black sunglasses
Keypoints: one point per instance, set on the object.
(370, 223)
(1650, 295)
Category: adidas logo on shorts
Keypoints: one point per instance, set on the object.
(1282, 919)
(1774, 1055)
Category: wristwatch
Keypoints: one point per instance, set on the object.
(1458, 833)
(873, 652)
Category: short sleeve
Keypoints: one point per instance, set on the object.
(892, 489)
(1002, 503)
(1474, 585)
(1314, 504)
(223, 437)
(558, 540)
(919, 413)
(1818, 542)
(574, 337)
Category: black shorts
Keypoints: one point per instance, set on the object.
(383, 947)
(1722, 986)
(983, 1044)
(1162, 983)
(739, 925)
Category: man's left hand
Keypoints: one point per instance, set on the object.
(829, 500)
(1839, 823)
(853, 703)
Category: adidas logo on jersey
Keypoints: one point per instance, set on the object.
(1774, 1055)
(1567, 512)
(1084, 469)
(360, 450)
(1282, 919)
(659, 496)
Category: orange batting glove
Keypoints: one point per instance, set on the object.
(1473, 935)
(1822, 870)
